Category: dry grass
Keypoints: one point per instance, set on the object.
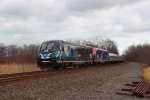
(146, 73)
(18, 68)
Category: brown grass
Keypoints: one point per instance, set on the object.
(146, 73)
(18, 68)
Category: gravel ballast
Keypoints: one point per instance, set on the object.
(94, 83)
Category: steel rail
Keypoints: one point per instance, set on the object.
(24, 76)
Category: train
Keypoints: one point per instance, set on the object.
(59, 53)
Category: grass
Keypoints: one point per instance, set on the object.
(17, 68)
(146, 73)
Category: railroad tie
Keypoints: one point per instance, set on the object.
(141, 88)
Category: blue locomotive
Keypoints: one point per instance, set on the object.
(61, 53)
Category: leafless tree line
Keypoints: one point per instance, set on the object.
(15, 54)
(138, 53)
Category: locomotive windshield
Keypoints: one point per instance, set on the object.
(47, 46)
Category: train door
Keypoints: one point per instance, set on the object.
(99, 54)
(94, 50)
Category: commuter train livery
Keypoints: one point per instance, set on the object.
(58, 53)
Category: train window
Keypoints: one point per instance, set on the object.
(62, 48)
(69, 48)
(39, 48)
(73, 46)
(50, 46)
(65, 47)
(43, 46)
(71, 52)
(56, 47)
(90, 56)
(97, 56)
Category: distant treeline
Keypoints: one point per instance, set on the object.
(138, 53)
(27, 53)
(15, 54)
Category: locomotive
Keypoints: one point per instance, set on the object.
(59, 53)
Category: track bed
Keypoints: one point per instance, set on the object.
(91, 83)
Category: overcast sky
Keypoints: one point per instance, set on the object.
(33, 21)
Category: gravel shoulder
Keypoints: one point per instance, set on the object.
(94, 83)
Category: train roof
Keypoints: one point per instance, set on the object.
(65, 42)
(58, 41)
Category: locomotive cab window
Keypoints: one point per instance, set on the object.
(62, 48)
(48, 46)
(69, 48)
(43, 46)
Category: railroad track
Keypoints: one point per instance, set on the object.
(10, 78)
(5, 79)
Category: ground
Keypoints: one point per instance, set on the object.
(92, 83)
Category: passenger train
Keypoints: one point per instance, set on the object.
(59, 53)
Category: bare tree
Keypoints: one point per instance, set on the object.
(138, 53)
(2, 53)
(27, 54)
(106, 44)
(15, 54)
(11, 53)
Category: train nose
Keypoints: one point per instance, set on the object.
(44, 55)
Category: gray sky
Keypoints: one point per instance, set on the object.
(34, 21)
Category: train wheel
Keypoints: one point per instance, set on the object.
(63, 65)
